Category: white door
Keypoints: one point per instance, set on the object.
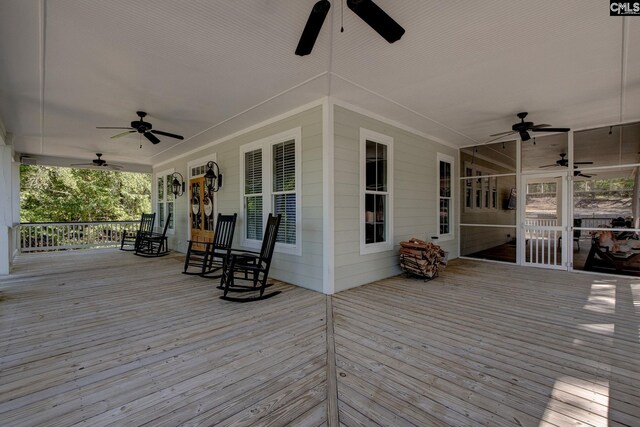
(543, 219)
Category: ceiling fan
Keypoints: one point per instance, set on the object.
(564, 162)
(367, 10)
(143, 128)
(578, 173)
(523, 128)
(99, 162)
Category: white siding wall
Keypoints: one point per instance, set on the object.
(304, 270)
(414, 194)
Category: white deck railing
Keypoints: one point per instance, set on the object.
(56, 236)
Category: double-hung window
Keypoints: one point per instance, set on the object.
(164, 200)
(445, 196)
(271, 184)
(376, 184)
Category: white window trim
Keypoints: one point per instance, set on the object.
(266, 145)
(163, 174)
(486, 173)
(440, 157)
(370, 248)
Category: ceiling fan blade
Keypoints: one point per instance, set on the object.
(151, 137)
(313, 27)
(533, 129)
(549, 166)
(582, 163)
(170, 135)
(509, 132)
(524, 135)
(112, 127)
(539, 126)
(114, 167)
(120, 135)
(377, 19)
(81, 164)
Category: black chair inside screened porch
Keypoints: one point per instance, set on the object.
(252, 266)
(206, 258)
(154, 244)
(131, 240)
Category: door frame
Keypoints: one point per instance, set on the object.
(190, 165)
(565, 244)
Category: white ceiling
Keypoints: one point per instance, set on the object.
(207, 69)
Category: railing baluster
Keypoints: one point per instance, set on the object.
(37, 237)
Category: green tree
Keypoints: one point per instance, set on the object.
(56, 194)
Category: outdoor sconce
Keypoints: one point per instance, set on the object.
(178, 186)
(213, 177)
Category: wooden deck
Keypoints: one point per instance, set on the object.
(103, 337)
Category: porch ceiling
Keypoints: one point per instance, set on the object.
(208, 69)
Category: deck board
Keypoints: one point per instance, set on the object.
(494, 345)
(93, 338)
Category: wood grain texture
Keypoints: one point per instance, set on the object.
(94, 338)
(490, 344)
(103, 337)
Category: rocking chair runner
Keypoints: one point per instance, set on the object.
(254, 264)
(131, 240)
(154, 244)
(216, 253)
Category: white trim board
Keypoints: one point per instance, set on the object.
(275, 119)
(328, 199)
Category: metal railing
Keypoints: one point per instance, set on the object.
(57, 236)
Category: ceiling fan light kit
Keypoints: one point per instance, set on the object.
(367, 10)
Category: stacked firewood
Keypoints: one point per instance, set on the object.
(422, 258)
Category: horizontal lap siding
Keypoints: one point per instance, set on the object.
(414, 197)
(305, 270)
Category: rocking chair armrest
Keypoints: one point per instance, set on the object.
(235, 251)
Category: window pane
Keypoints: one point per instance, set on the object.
(253, 172)
(284, 166)
(160, 188)
(380, 218)
(370, 165)
(160, 215)
(381, 167)
(253, 209)
(375, 218)
(170, 211)
(444, 216)
(169, 183)
(445, 179)
(376, 166)
(285, 204)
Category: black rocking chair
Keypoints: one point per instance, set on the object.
(254, 264)
(154, 244)
(131, 240)
(215, 254)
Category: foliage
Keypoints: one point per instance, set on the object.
(56, 194)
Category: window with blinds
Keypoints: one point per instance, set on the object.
(284, 190)
(270, 170)
(253, 194)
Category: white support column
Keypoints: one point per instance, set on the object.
(9, 205)
(635, 208)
